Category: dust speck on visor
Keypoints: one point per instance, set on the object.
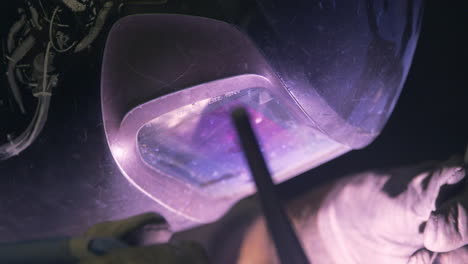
(315, 90)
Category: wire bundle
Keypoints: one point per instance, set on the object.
(20, 42)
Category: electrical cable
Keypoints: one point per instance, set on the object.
(46, 16)
(13, 31)
(44, 74)
(17, 145)
(51, 39)
(15, 57)
(34, 16)
(74, 5)
(96, 29)
(43, 9)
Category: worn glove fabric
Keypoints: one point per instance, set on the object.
(397, 216)
(458, 256)
(391, 217)
(424, 256)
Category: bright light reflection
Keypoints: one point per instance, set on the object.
(197, 143)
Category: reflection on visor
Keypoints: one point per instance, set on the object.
(197, 143)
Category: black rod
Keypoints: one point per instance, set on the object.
(286, 242)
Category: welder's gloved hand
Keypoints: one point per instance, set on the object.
(143, 229)
(458, 256)
(424, 256)
(180, 253)
(391, 217)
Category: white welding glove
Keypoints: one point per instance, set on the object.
(391, 217)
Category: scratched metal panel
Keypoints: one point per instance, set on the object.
(67, 179)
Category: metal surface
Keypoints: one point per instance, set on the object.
(67, 181)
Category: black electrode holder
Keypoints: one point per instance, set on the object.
(287, 245)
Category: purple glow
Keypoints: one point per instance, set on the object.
(197, 143)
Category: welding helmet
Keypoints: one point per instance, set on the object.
(318, 78)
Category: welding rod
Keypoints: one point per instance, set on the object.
(286, 242)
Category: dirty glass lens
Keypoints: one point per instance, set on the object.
(197, 143)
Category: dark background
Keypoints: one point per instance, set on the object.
(67, 179)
